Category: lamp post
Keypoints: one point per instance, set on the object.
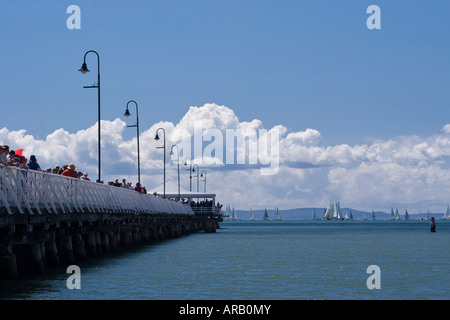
(127, 114)
(190, 173)
(201, 175)
(178, 162)
(164, 147)
(84, 69)
(193, 170)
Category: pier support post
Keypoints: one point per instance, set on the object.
(51, 254)
(105, 243)
(67, 249)
(92, 247)
(113, 242)
(8, 265)
(79, 248)
(38, 259)
(98, 242)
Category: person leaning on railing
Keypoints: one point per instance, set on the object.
(33, 164)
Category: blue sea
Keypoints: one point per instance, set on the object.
(266, 260)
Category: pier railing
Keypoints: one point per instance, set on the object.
(34, 192)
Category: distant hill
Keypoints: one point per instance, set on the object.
(306, 214)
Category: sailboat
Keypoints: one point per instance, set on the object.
(365, 216)
(407, 215)
(266, 216)
(252, 216)
(397, 215)
(314, 216)
(277, 214)
(227, 213)
(392, 214)
(327, 213)
(373, 215)
(447, 213)
(234, 215)
(338, 214)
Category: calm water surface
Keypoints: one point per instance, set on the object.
(280, 260)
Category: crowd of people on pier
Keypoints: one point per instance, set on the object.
(15, 158)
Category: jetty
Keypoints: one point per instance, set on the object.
(49, 220)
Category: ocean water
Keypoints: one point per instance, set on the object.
(266, 260)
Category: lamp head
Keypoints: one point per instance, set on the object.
(156, 137)
(127, 113)
(84, 69)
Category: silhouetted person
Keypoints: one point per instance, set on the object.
(432, 225)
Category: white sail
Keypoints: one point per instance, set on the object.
(314, 217)
(397, 215)
(447, 213)
(364, 216)
(338, 211)
(228, 213)
(392, 214)
(333, 211)
(234, 215)
(327, 215)
(252, 216)
(277, 215)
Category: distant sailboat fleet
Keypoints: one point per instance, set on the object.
(334, 212)
(230, 214)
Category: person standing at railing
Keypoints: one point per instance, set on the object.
(33, 164)
(70, 171)
(3, 152)
(23, 163)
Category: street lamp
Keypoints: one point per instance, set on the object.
(164, 147)
(127, 114)
(201, 175)
(190, 173)
(193, 170)
(84, 69)
(178, 162)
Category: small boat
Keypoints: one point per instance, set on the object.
(252, 216)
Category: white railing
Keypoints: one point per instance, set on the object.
(37, 192)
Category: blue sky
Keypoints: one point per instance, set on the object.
(299, 64)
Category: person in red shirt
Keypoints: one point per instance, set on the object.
(138, 187)
(70, 171)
